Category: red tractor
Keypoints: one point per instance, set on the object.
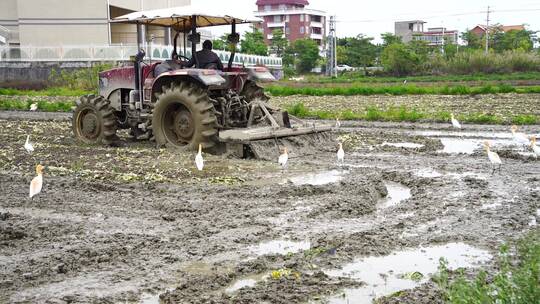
(184, 107)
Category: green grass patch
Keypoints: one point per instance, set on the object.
(42, 105)
(359, 78)
(402, 113)
(399, 90)
(515, 280)
(481, 118)
(525, 120)
(60, 91)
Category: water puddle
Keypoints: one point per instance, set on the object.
(428, 173)
(279, 247)
(468, 146)
(490, 206)
(248, 281)
(459, 145)
(317, 179)
(396, 194)
(402, 270)
(486, 135)
(468, 174)
(148, 298)
(407, 145)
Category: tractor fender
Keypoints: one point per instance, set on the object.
(204, 77)
(260, 74)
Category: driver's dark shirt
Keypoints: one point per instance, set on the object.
(205, 58)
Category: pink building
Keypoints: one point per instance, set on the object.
(294, 18)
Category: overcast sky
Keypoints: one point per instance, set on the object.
(374, 17)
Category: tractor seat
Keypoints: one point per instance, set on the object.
(166, 66)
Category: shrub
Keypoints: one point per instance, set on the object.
(81, 79)
(512, 282)
(398, 60)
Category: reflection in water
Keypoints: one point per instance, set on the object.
(385, 275)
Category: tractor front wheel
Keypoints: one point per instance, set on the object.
(94, 121)
(184, 116)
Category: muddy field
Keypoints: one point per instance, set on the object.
(138, 224)
(505, 106)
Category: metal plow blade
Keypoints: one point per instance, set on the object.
(265, 143)
(282, 130)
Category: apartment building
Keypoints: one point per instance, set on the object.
(435, 36)
(294, 18)
(75, 22)
(438, 36)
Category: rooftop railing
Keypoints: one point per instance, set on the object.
(118, 53)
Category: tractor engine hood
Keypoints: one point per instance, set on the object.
(207, 77)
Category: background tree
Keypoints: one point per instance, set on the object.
(513, 40)
(358, 51)
(304, 53)
(399, 60)
(279, 43)
(420, 48)
(472, 40)
(220, 43)
(253, 43)
(389, 38)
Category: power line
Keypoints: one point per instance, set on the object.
(438, 16)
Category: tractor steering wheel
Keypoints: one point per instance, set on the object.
(183, 57)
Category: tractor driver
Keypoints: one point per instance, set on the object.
(207, 59)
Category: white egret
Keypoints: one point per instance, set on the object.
(28, 145)
(283, 158)
(519, 138)
(493, 157)
(455, 122)
(33, 107)
(338, 124)
(534, 147)
(37, 182)
(199, 162)
(341, 154)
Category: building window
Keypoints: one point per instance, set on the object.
(302, 30)
(307, 18)
(301, 18)
(282, 7)
(287, 18)
(277, 18)
(267, 7)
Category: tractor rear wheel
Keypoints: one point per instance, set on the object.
(94, 121)
(184, 116)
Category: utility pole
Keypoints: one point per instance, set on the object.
(331, 51)
(487, 30)
(443, 40)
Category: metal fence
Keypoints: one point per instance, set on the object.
(117, 53)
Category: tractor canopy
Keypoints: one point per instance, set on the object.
(180, 18)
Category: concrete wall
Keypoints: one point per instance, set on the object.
(72, 22)
(9, 18)
(32, 72)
